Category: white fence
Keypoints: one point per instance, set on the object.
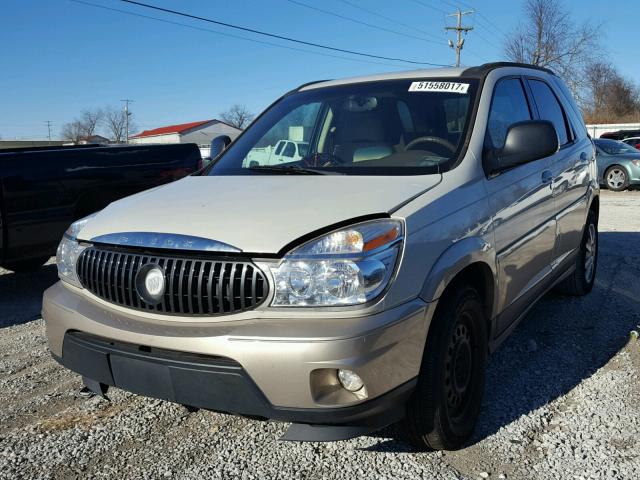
(596, 130)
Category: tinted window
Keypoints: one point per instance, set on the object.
(575, 114)
(508, 106)
(614, 147)
(549, 108)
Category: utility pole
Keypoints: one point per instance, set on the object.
(460, 29)
(48, 122)
(126, 116)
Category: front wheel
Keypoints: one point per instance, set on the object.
(616, 178)
(443, 410)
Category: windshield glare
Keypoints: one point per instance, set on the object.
(614, 147)
(382, 128)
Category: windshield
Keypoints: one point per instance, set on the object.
(614, 147)
(399, 127)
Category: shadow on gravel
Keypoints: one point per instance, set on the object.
(561, 342)
(21, 294)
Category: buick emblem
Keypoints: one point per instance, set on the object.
(150, 283)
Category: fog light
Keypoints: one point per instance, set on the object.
(350, 380)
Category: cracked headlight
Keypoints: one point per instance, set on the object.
(349, 266)
(68, 252)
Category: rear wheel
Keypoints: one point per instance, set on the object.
(616, 178)
(581, 281)
(28, 265)
(442, 412)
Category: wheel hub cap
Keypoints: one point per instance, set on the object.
(616, 178)
(458, 369)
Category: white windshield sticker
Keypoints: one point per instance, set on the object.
(439, 87)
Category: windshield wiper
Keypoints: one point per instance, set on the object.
(293, 170)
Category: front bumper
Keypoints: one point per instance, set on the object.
(214, 383)
(237, 367)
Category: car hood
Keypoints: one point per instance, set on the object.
(258, 214)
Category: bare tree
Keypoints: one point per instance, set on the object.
(115, 124)
(548, 37)
(238, 116)
(90, 119)
(609, 97)
(84, 126)
(72, 131)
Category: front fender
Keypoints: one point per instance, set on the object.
(453, 260)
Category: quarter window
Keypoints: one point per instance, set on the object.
(508, 106)
(550, 109)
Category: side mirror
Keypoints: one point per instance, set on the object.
(525, 142)
(218, 145)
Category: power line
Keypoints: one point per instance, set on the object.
(379, 15)
(426, 5)
(280, 37)
(230, 35)
(360, 22)
(491, 26)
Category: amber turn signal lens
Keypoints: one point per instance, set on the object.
(381, 240)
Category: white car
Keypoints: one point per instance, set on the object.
(283, 151)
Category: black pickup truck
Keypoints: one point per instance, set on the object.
(43, 190)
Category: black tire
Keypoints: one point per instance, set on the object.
(28, 265)
(444, 408)
(581, 281)
(616, 178)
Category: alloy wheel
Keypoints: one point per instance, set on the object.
(616, 178)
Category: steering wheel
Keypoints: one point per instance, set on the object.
(439, 140)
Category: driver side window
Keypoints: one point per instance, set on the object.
(508, 106)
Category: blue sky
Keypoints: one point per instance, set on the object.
(59, 57)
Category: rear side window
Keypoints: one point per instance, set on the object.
(575, 114)
(508, 106)
(549, 108)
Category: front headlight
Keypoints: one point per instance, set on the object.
(347, 267)
(68, 252)
(636, 162)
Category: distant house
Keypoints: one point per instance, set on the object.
(200, 133)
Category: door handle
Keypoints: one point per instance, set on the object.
(547, 177)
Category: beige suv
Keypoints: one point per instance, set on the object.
(359, 285)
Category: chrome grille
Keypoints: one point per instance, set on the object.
(193, 286)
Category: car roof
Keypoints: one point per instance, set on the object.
(480, 71)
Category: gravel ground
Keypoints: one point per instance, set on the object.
(562, 400)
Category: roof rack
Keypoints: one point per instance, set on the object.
(483, 70)
(309, 83)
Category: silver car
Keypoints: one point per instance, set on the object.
(618, 164)
(360, 285)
